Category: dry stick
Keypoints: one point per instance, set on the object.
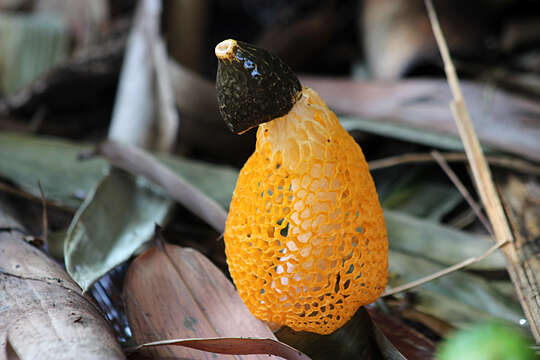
(138, 162)
(481, 172)
(505, 162)
(25, 195)
(484, 182)
(459, 185)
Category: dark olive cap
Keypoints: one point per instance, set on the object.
(253, 85)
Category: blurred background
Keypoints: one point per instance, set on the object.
(60, 60)
(142, 72)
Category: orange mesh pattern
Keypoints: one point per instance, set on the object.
(305, 236)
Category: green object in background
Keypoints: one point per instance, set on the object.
(486, 341)
(30, 45)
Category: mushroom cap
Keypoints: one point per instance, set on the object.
(253, 86)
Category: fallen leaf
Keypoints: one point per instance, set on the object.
(176, 293)
(27, 159)
(113, 222)
(235, 346)
(44, 313)
(397, 340)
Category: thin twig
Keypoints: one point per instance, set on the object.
(481, 173)
(499, 161)
(139, 162)
(444, 271)
(25, 195)
(463, 190)
(44, 218)
(484, 182)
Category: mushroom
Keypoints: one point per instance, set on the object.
(305, 236)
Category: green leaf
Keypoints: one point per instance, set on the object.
(26, 159)
(437, 243)
(113, 222)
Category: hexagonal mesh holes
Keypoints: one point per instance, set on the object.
(305, 236)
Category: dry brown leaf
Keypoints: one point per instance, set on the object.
(44, 314)
(176, 293)
(409, 342)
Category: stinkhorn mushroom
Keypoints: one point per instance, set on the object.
(305, 237)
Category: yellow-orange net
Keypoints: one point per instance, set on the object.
(305, 236)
